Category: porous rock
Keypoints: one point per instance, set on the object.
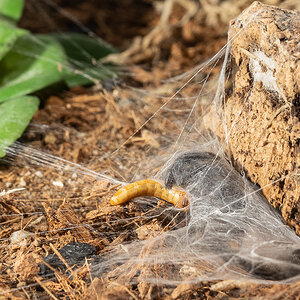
(259, 119)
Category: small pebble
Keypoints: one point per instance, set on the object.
(58, 183)
(22, 182)
(18, 237)
(39, 174)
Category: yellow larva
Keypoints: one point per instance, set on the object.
(149, 187)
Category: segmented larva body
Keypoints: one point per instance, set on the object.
(149, 187)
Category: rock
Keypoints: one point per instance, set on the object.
(262, 110)
(74, 254)
(18, 238)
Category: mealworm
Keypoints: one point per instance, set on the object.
(149, 187)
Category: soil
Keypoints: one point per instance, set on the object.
(69, 204)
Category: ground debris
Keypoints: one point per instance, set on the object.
(65, 219)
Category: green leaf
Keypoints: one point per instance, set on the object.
(80, 47)
(89, 75)
(83, 52)
(15, 115)
(33, 63)
(12, 8)
(8, 35)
